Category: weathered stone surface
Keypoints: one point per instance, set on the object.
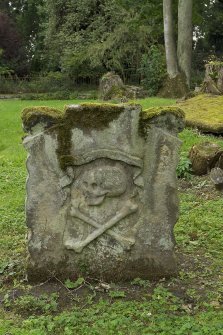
(111, 85)
(204, 157)
(216, 176)
(101, 192)
(213, 81)
(174, 87)
(112, 88)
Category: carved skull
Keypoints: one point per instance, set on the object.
(97, 183)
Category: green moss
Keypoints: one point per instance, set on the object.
(204, 112)
(153, 112)
(92, 115)
(41, 114)
(115, 92)
(64, 135)
(206, 149)
(174, 87)
(85, 116)
(111, 87)
(162, 117)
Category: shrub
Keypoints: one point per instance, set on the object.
(52, 83)
(153, 70)
(184, 168)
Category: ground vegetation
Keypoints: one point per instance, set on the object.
(188, 304)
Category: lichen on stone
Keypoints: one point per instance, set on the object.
(40, 114)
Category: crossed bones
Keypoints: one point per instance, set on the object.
(128, 208)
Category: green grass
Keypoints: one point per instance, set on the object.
(163, 315)
(155, 102)
(188, 305)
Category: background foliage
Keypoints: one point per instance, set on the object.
(83, 39)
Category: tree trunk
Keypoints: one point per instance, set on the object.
(170, 45)
(176, 84)
(185, 37)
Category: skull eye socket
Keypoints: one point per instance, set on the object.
(94, 185)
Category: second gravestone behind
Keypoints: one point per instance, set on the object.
(101, 191)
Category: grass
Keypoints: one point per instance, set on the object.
(190, 304)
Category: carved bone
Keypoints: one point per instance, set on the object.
(125, 242)
(128, 209)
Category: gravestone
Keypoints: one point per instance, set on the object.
(112, 88)
(101, 191)
(213, 81)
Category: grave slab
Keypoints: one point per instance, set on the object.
(101, 191)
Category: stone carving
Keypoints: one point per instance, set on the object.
(100, 180)
(128, 208)
(126, 243)
(90, 189)
(101, 197)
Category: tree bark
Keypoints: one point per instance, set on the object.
(185, 37)
(170, 45)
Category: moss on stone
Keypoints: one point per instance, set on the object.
(150, 113)
(40, 114)
(111, 87)
(65, 160)
(204, 157)
(207, 148)
(64, 135)
(204, 112)
(115, 92)
(168, 117)
(174, 87)
(85, 116)
(92, 115)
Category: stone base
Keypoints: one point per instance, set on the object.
(152, 268)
